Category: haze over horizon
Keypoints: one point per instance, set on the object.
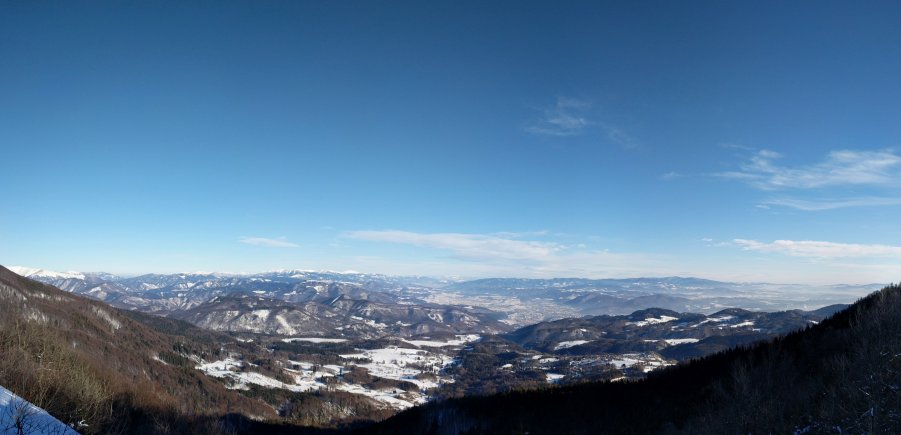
(736, 142)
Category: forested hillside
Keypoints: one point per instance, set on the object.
(90, 366)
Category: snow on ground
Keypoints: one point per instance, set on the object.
(263, 314)
(395, 363)
(286, 327)
(459, 339)
(31, 272)
(568, 344)
(302, 365)
(314, 340)
(230, 368)
(33, 420)
(715, 319)
(650, 362)
(675, 341)
(745, 323)
(627, 360)
(403, 364)
(553, 378)
(370, 322)
(392, 399)
(654, 320)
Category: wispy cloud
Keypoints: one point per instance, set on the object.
(671, 175)
(269, 243)
(620, 137)
(839, 168)
(831, 204)
(468, 246)
(819, 249)
(567, 117)
(496, 255)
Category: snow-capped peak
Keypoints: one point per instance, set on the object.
(30, 272)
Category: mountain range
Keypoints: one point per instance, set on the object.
(285, 351)
(452, 306)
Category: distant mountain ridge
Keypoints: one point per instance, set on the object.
(479, 303)
(317, 303)
(336, 316)
(673, 335)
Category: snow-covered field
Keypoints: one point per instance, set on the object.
(233, 369)
(17, 416)
(675, 341)
(315, 340)
(396, 363)
(568, 344)
(553, 378)
(403, 364)
(648, 362)
(459, 340)
(653, 320)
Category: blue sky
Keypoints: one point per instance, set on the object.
(727, 140)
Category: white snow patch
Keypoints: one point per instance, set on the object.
(33, 272)
(370, 322)
(553, 378)
(403, 364)
(230, 368)
(391, 400)
(314, 340)
(715, 319)
(105, 316)
(459, 339)
(675, 341)
(654, 320)
(568, 344)
(285, 326)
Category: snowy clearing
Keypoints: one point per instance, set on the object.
(568, 344)
(231, 368)
(553, 378)
(459, 340)
(654, 320)
(314, 340)
(675, 341)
